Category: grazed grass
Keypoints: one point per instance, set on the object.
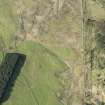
(38, 75)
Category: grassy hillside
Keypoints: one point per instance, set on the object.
(60, 43)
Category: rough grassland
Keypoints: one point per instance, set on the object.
(37, 83)
(7, 21)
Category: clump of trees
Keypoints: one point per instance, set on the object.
(100, 45)
(100, 36)
(2, 46)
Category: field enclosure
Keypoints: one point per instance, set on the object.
(64, 45)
